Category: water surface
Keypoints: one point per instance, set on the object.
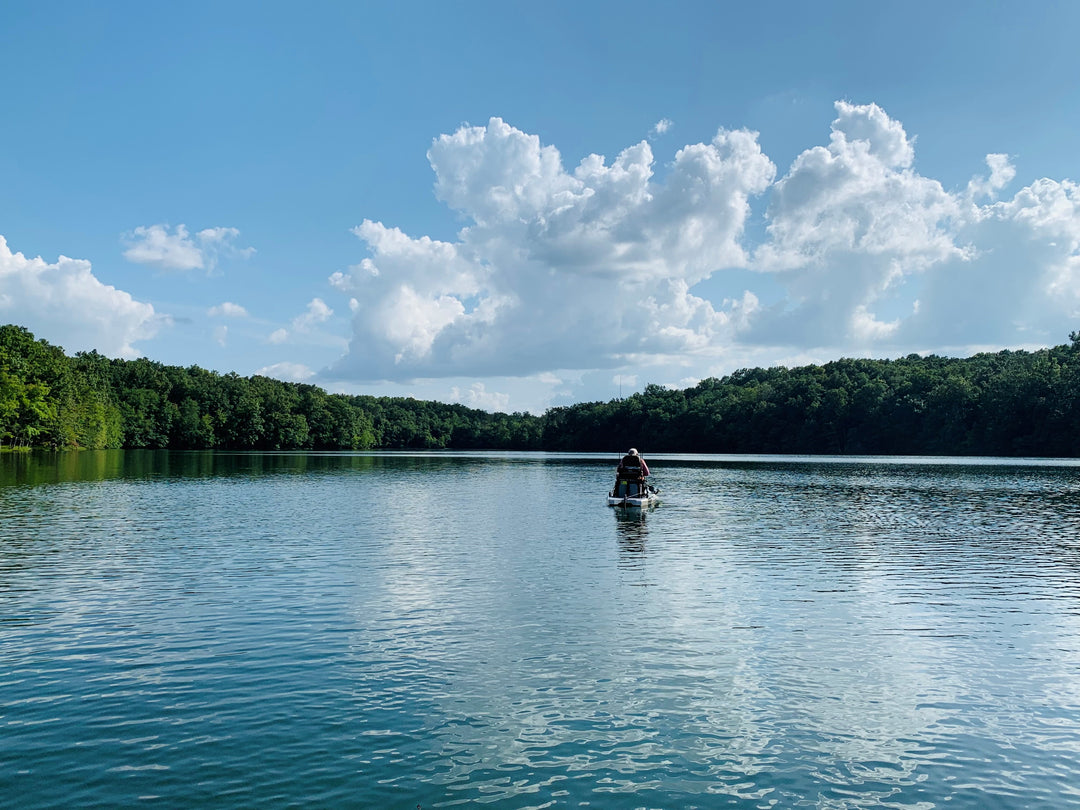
(382, 630)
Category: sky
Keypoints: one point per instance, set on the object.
(519, 206)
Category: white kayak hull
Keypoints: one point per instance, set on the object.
(634, 501)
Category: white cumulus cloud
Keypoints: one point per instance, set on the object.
(1019, 280)
(67, 305)
(847, 224)
(176, 249)
(1002, 173)
(876, 256)
(556, 268)
(854, 251)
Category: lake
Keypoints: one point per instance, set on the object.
(441, 630)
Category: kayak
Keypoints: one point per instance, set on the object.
(632, 490)
(644, 500)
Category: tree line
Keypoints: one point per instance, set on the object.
(50, 400)
(1008, 403)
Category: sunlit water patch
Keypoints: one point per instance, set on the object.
(435, 630)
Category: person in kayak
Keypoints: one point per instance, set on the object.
(630, 477)
(633, 460)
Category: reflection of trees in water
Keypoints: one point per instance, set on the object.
(37, 467)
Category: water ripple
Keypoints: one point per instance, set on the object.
(333, 631)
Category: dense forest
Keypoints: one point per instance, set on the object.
(1007, 403)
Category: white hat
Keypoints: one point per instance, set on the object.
(633, 451)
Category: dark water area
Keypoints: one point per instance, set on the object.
(394, 630)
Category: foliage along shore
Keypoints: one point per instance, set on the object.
(1008, 403)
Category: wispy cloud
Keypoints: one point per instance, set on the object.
(316, 313)
(228, 310)
(661, 126)
(288, 372)
(158, 246)
(477, 396)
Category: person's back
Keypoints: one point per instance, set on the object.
(633, 464)
(630, 477)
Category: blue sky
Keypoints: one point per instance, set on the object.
(410, 198)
